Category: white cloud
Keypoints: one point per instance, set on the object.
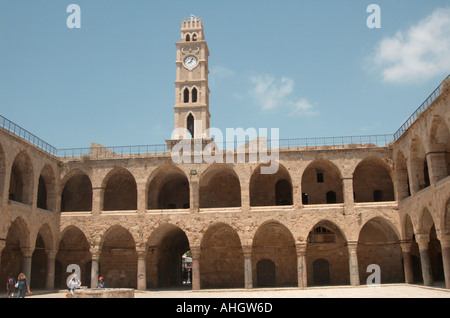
(219, 71)
(421, 52)
(273, 94)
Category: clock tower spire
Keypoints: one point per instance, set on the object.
(192, 116)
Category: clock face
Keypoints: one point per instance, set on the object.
(190, 62)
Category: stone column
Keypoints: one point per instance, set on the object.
(141, 270)
(437, 166)
(26, 264)
(407, 262)
(50, 282)
(245, 194)
(2, 246)
(194, 203)
(422, 240)
(353, 263)
(445, 248)
(97, 200)
(302, 276)
(95, 256)
(195, 252)
(248, 271)
(349, 202)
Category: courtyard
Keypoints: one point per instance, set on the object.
(382, 291)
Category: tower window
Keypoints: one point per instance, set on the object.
(194, 95)
(186, 95)
(194, 37)
(190, 125)
(188, 38)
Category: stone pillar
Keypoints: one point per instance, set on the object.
(248, 271)
(26, 263)
(349, 202)
(407, 262)
(353, 263)
(141, 270)
(2, 246)
(302, 276)
(50, 281)
(194, 203)
(437, 166)
(97, 201)
(95, 256)
(141, 195)
(445, 248)
(422, 240)
(195, 252)
(245, 195)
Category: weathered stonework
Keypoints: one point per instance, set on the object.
(322, 219)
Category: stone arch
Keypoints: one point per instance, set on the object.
(166, 246)
(118, 258)
(273, 241)
(44, 242)
(409, 238)
(120, 190)
(320, 177)
(219, 187)
(17, 239)
(21, 181)
(372, 181)
(221, 258)
(379, 243)
(73, 248)
(418, 164)
(76, 193)
(446, 221)
(168, 188)
(440, 147)
(271, 189)
(401, 176)
(426, 221)
(326, 241)
(46, 196)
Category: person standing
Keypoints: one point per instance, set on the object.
(10, 286)
(73, 284)
(22, 286)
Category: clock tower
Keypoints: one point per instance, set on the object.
(192, 114)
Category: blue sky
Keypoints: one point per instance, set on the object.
(310, 68)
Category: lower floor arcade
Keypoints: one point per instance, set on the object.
(222, 258)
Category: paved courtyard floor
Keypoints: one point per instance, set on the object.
(383, 291)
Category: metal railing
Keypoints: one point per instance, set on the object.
(114, 151)
(120, 151)
(411, 119)
(26, 135)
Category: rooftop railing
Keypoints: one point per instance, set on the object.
(119, 151)
(411, 119)
(25, 134)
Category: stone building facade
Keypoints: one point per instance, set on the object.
(328, 212)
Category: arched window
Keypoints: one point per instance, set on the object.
(188, 38)
(186, 95)
(190, 125)
(194, 37)
(194, 95)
